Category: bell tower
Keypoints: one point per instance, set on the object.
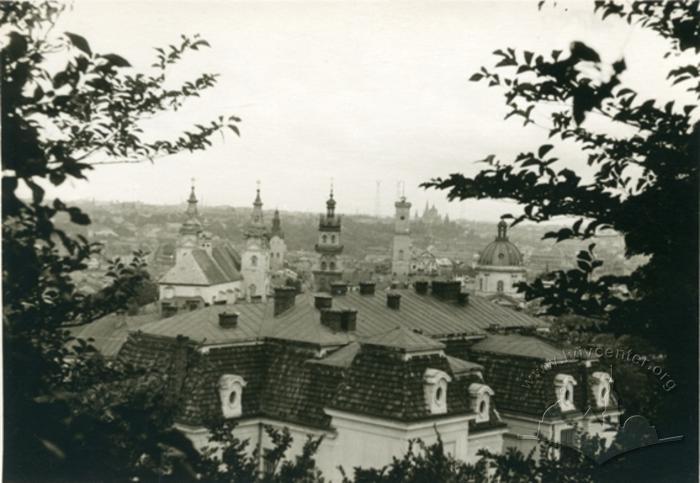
(401, 249)
(191, 228)
(278, 247)
(328, 247)
(255, 261)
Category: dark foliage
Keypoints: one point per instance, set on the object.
(69, 415)
(645, 186)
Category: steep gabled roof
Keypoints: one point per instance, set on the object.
(197, 267)
(522, 346)
(404, 340)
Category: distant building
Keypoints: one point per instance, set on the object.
(500, 268)
(401, 247)
(206, 271)
(255, 262)
(278, 247)
(328, 267)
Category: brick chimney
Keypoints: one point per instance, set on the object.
(323, 301)
(339, 320)
(367, 288)
(284, 299)
(446, 290)
(421, 287)
(228, 320)
(339, 288)
(393, 300)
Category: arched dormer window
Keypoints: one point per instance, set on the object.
(499, 286)
(564, 391)
(480, 400)
(231, 395)
(435, 390)
(602, 384)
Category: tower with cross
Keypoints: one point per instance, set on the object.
(255, 260)
(328, 247)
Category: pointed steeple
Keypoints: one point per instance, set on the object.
(192, 224)
(330, 204)
(192, 202)
(256, 226)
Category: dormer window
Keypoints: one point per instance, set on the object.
(435, 390)
(602, 384)
(480, 401)
(564, 391)
(231, 395)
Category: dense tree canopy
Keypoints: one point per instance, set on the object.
(645, 186)
(69, 415)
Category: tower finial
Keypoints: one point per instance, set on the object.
(331, 188)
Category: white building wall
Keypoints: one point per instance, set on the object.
(487, 282)
(490, 440)
(209, 293)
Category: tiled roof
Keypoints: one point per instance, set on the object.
(460, 366)
(403, 339)
(433, 317)
(111, 331)
(198, 267)
(381, 383)
(525, 384)
(202, 325)
(341, 358)
(520, 345)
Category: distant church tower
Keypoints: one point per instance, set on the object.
(328, 268)
(191, 228)
(255, 261)
(401, 251)
(278, 247)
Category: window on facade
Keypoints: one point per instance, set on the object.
(499, 286)
(323, 265)
(230, 394)
(252, 289)
(332, 238)
(481, 284)
(332, 265)
(435, 386)
(401, 255)
(564, 391)
(254, 260)
(480, 400)
(324, 239)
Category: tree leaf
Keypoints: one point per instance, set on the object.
(79, 42)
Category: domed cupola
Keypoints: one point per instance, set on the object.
(501, 252)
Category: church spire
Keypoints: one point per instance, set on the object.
(192, 202)
(330, 204)
(256, 227)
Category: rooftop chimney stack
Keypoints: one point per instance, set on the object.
(339, 320)
(367, 288)
(284, 299)
(463, 299)
(323, 301)
(228, 320)
(393, 300)
(339, 288)
(446, 290)
(421, 287)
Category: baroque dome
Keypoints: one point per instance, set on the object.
(501, 252)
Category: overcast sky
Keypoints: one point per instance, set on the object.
(357, 92)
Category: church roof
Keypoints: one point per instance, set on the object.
(501, 252)
(198, 267)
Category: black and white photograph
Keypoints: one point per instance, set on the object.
(340, 241)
